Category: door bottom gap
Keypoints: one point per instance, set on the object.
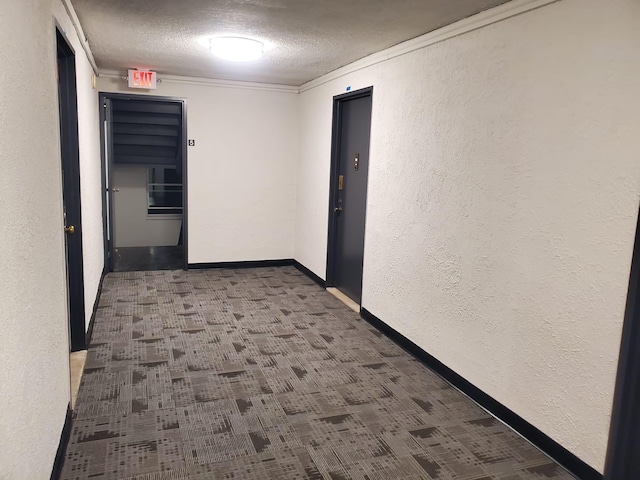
(344, 299)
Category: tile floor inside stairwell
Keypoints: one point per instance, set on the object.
(261, 374)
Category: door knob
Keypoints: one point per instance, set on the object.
(71, 229)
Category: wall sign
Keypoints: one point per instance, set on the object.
(143, 79)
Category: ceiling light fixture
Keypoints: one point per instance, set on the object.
(236, 49)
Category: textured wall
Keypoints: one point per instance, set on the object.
(240, 174)
(34, 360)
(133, 227)
(312, 180)
(503, 194)
(90, 166)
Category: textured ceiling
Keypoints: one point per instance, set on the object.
(304, 38)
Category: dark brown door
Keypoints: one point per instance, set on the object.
(352, 117)
(68, 109)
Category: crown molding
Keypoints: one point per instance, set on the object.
(210, 82)
(82, 38)
(475, 22)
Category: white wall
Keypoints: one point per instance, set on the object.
(133, 227)
(240, 174)
(503, 195)
(34, 351)
(90, 165)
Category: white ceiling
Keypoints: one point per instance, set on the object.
(304, 38)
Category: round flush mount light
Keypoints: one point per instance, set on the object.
(236, 49)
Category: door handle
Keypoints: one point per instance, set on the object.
(71, 229)
(337, 210)
(115, 189)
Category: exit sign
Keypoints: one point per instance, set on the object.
(142, 79)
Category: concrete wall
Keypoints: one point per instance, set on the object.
(241, 172)
(133, 227)
(34, 356)
(503, 194)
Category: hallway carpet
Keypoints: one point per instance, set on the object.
(261, 374)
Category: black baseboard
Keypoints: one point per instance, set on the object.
(89, 333)
(549, 446)
(248, 264)
(260, 264)
(310, 274)
(62, 446)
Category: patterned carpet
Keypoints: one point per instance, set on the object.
(261, 374)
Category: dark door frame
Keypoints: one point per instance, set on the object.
(107, 177)
(623, 450)
(106, 136)
(336, 141)
(70, 153)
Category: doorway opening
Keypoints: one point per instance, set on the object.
(144, 176)
(348, 191)
(72, 213)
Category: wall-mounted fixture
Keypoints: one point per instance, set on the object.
(236, 49)
(142, 79)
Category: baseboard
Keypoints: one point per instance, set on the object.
(549, 446)
(62, 446)
(92, 321)
(260, 264)
(248, 264)
(310, 274)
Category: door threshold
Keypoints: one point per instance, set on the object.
(76, 363)
(344, 299)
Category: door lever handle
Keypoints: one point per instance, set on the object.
(71, 229)
(337, 209)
